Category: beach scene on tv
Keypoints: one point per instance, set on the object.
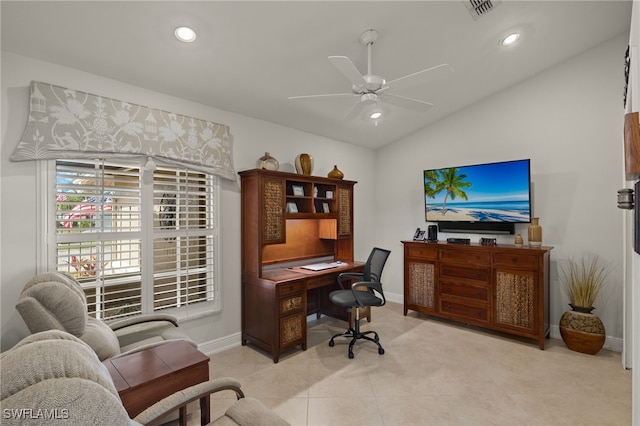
(495, 192)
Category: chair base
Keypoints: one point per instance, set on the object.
(354, 334)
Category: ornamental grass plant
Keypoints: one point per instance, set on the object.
(583, 280)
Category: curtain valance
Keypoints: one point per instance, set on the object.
(66, 123)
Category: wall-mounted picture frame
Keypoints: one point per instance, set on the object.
(325, 208)
(292, 208)
(298, 190)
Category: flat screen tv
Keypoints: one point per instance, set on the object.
(479, 198)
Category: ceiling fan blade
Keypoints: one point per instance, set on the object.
(328, 95)
(420, 77)
(355, 110)
(404, 102)
(346, 67)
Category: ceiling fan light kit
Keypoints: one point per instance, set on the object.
(373, 89)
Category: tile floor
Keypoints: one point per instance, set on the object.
(433, 373)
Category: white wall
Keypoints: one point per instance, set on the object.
(567, 120)
(251, 138)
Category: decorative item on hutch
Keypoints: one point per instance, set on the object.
(535, 233)
(267, 162)
(335, 173)
(304, 164)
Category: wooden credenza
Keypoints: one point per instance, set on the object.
(289, 219)
(501, 287)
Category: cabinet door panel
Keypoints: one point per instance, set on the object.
(515, 300)
(273, 230)
(422, 284)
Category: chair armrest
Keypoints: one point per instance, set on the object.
(181, 398)
(348, 275)
(374, 287)
(141, 319)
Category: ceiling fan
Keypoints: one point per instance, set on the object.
(371, 89)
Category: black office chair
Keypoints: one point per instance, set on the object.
(366, 291)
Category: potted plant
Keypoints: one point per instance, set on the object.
(583, 281)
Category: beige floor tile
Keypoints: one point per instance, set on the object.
(433, 372)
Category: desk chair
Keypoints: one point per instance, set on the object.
(366, 291)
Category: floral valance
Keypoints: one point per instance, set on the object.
(66, 123)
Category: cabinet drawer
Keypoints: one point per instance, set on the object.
(291, 303)
(465, 273)
(462, 311)
(466, 291)
(290, 288)
(422, 251)
(517, 260)
(321, 281)
(471, 257)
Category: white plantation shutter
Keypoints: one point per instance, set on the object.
(137, 244)
(184, 237)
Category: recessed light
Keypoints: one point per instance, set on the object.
(375, 115)
(185, 34)
(510, 39)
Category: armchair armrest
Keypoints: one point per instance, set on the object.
(181, 398)
(349, 275)
(363, 298)
(127, 322)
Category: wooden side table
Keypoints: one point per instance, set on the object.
(144, 378)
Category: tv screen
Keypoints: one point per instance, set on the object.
(482, 193)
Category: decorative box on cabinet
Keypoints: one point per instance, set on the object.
(503, 288)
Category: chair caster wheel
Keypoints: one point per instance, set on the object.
(350, 355)
(381, 351)
(331, 343)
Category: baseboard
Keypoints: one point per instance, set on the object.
(221, 344)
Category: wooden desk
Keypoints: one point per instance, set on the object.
(144, 378)
(275, 307)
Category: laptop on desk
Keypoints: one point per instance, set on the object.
(321, 266)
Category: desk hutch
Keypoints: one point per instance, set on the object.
(289, 219)
(502, 287)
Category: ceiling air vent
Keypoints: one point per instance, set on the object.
(479, 8)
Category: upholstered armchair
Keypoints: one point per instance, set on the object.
(56, 301)
(53, 376)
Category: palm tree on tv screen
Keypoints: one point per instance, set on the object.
(450, 180)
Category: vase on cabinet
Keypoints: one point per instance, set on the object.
(304, 164)
(535, 233)
(335, 173)
(267, 162)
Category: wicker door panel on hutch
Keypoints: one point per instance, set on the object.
(287, 220)
(503, 288)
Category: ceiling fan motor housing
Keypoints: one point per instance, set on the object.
(374, 83)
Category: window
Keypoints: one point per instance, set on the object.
(138, 241)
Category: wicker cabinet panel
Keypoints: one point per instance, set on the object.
(515, 299)
(290, 304)
(422, 284)
(345, 211)
(291, 330)
(273, 215)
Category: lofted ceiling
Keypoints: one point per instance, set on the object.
(250, 57)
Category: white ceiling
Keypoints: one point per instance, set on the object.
(249, 57)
